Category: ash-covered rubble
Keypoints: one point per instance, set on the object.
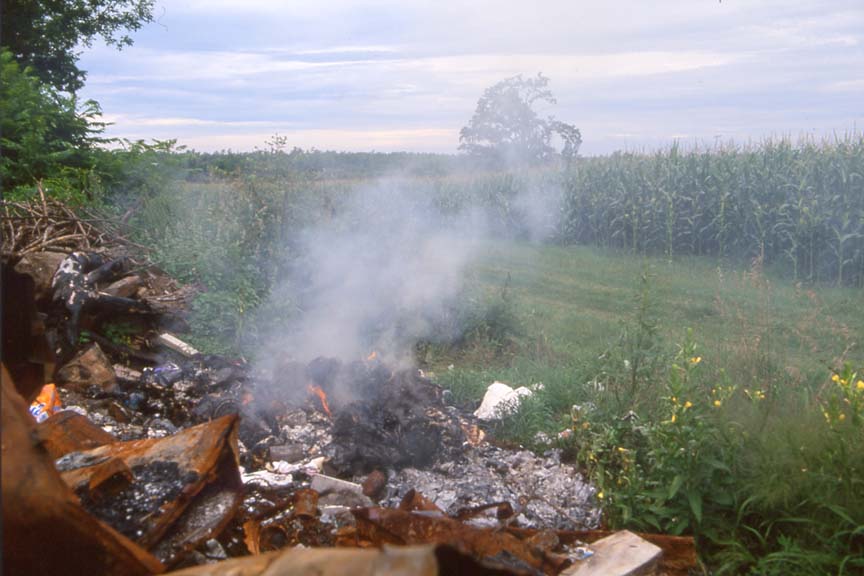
(351, 433)
(391, 423)
(543, 491)
(157, 402)
(144, 455)
(396, 425)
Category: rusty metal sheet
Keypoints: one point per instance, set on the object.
(69, 431)
(414, 500)
(306, 503)
(260, 539)
(494, 548)
(503, 510)
(45, 530)
(184, 488)
(110, 476)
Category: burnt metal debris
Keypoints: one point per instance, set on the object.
(164, 458)
(75, 294)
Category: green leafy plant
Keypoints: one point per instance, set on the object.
(46, 136)
(120, 332)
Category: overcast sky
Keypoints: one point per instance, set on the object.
(406, 75)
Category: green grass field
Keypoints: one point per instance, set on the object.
(572, 304)
(748, 408)
(574, 300)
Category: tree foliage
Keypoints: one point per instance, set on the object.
(46, 34)
(42, 131)
(507, 128)
(46, 133)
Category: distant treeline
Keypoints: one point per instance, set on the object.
(231, 222)
(796, 206)
(327, 164)
(799, 207)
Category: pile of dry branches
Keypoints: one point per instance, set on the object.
(45, 224)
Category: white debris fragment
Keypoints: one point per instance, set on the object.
(501, 400)
(282, 467)
(308, 467)
(77, 409)
(265, 478)
(324, 484)
(317, 463)
(126, 374)
(170, 341)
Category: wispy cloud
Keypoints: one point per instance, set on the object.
(135, 122)
(856, 85)
(387, 74)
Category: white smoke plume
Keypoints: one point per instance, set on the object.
(384, 268)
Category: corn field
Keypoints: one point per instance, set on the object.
(799, 207)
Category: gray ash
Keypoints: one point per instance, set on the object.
(543, 491)
(131, 510)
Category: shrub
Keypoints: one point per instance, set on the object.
(723, 461)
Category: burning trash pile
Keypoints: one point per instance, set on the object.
(143, 455)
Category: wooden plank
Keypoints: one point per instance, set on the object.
(621, 554)
(679, 552)
(170, 341)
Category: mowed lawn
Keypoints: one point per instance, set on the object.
(574, 301)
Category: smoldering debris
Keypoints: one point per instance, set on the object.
(159, 457)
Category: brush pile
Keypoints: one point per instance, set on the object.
(47, 224)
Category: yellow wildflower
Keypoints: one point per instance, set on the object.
(841, 417)
(688, 404)
(835, 378)
(621, 449)
(695, 360)
(860, 385)
(600, 495)
(674, 418)
(674, 400)
(717, 403)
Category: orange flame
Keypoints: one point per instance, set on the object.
(313, 389)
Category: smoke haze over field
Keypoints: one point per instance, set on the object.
(385, 269)
(377, 273)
